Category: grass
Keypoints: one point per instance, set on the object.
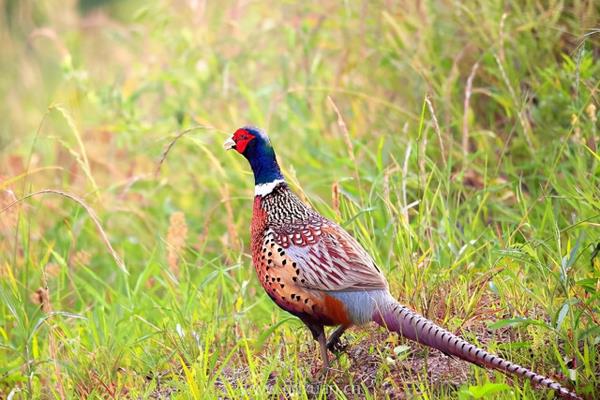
(458, 141)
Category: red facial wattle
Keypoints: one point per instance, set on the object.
(242, 137)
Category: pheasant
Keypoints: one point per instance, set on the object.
(313, 269)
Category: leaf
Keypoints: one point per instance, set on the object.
(573, 253)
(588, 284)
(561, 315)
(493, 287)
(486, 390)
(516, 322)
(597, 155)
(190, 378)
(401, 349)
(265, 335)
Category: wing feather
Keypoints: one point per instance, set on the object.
(329, 258)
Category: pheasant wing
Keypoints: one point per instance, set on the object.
(328, 258)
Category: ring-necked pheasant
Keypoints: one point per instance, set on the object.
(314, 269)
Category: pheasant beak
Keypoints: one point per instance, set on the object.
(229, 144)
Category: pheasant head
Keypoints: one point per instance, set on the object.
(256, 147)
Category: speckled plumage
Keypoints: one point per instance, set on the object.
(314, 269)
(300, 256)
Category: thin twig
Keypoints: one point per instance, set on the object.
(169, 146)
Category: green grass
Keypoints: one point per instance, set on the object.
(483, 213)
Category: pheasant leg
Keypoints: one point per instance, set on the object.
(334, 343)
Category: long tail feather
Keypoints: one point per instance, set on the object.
(398, 318)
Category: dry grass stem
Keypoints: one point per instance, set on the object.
(81, 158)
(335, 198)
(170, 145)
(88, 209)
(465, 122)
(523, 121)
(344, 128)
(176, 237)
(41, 297)
(347, 139)
(438, 131)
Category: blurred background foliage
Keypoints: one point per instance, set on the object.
(457, 140)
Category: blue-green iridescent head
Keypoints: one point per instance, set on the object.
(255, 145)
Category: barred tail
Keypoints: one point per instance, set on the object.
(398, 318)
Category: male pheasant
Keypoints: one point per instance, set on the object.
(314, 269)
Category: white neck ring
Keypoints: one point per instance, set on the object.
(263, 189)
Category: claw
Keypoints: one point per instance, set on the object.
(337, 345)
